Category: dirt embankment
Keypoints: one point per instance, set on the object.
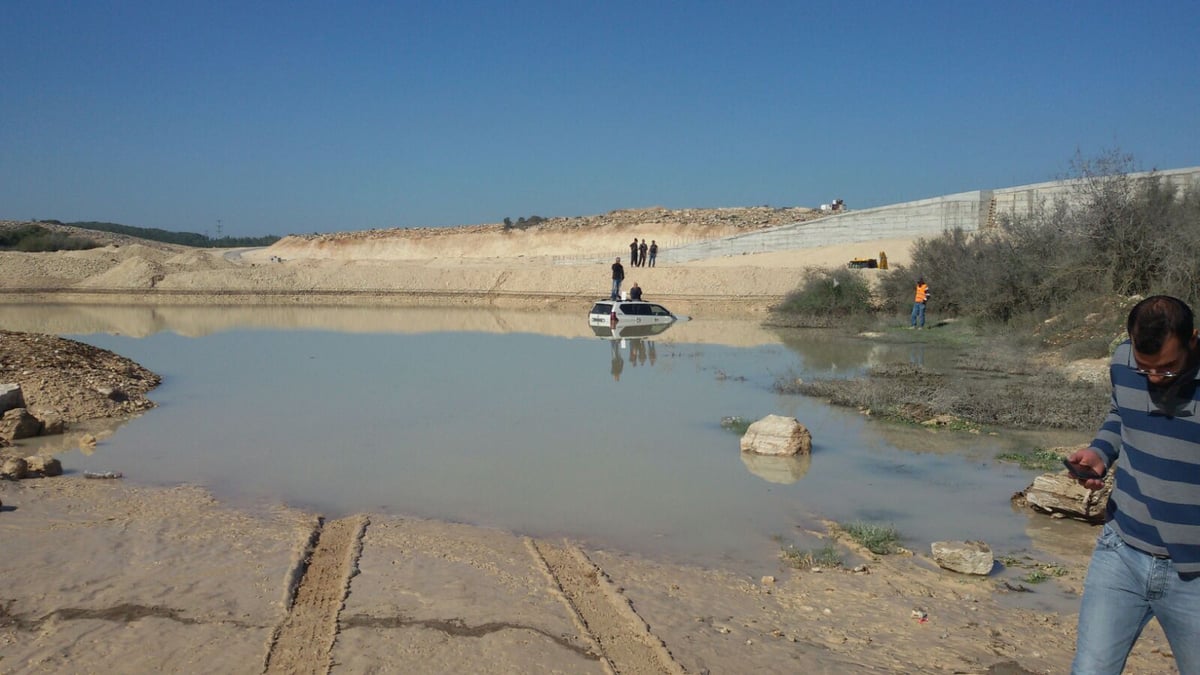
(597, 235)
(557, 260)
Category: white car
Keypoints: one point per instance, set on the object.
(628, 313)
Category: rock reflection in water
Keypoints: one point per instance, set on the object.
(773, 469)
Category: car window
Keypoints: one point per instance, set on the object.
(601, 308)
(659, 310)
(635, 309)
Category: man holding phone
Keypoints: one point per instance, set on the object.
(1147, 558)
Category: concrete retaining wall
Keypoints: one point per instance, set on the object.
(921, 218)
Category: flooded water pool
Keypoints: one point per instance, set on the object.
(529, 422)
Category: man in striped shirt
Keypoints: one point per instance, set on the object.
(1147, 558)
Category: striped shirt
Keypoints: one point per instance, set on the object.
(1151, 438)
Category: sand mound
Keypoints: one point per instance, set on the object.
(132, 273)
(197, 259)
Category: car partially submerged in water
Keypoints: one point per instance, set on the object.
(623, 313)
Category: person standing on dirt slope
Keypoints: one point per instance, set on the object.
(633, 252)
(618, 275)
(642, 254)
(1147, 558)
(653, 251)
(918, 310)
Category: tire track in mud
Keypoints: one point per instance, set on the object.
(303, 643)
(603, 612)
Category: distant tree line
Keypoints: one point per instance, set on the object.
(168, 237)
(35, 238)
(523, 222)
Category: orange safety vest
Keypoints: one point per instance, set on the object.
(922, 292)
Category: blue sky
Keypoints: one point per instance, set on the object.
(284, 117)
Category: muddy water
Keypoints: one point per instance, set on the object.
(529, 422)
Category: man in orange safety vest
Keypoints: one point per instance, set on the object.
(917, 319)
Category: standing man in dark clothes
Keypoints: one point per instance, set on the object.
(618, 275)
(1147, 558)
(633, 251)
(635, 292)
(653, 251)
(642, 254)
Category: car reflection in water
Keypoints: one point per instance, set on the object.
(635, 339)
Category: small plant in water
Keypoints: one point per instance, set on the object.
(737, 425)
(1039, 571)
(878, 539)
(1035, 577)
(826, 556)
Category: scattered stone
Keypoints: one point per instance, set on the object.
(53, 425)
(768, 580)
(87, 441)
(13, 468)
(964, 557)
(777, 435)
(861, 569)
(103, 474)
(17, 423)
(44, 466)
(115, 395)
(11, 397)
(1057, 492)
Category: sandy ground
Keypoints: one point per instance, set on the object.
(99, 576)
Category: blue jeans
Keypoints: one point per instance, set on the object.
(616, 291)
(1124, 588)
(918, 313)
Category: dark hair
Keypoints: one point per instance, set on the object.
(1152, 320)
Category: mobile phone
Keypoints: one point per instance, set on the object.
(1081, 472)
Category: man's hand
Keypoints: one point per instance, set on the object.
(1087, 461)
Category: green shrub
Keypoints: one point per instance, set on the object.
(35, 238)
(838, 292)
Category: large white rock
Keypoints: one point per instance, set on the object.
(964, 557)
(777, 435)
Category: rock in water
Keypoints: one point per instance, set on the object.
(777, 435)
